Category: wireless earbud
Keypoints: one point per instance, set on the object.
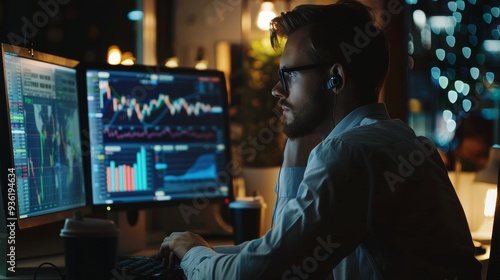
(332, 83)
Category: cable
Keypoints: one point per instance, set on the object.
(334, 108)
(50, 264)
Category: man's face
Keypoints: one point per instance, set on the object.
(305, 104)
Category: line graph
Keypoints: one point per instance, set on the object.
(204, 167)
(154, 109)
(177, 106)
(162, 134)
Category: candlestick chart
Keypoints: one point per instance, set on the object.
(158, 116)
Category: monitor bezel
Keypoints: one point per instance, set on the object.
(189, 203)
(7, 159)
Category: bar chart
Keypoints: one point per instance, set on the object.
(128, 177)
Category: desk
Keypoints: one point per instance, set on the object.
(26, 268)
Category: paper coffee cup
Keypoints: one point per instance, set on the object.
(248, 217)
(90, 248)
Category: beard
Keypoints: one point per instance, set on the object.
(314, 112)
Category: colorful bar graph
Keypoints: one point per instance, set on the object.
(127, 178)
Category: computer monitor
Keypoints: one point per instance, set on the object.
(41, 145)
(159, 136)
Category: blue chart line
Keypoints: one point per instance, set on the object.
(203, 168)
(157, 109)
(159, 134)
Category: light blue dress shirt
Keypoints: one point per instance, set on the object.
(374, 202)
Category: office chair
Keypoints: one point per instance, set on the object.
(493, 272)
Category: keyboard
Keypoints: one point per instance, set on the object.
(145, 268)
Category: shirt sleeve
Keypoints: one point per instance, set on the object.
(229, 249)
(286, 187)
(315, 231)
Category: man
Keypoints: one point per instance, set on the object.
(371, 200)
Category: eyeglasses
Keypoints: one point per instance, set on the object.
(281, 72)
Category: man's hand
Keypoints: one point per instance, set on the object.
(297, 150)
(176, 245)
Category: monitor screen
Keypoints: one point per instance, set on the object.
(41, 138)
(158, 135)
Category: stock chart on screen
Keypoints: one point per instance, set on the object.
(44, 134)
(156, 136)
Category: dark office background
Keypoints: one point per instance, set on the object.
(81, 30)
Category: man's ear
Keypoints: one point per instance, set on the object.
(337, 78)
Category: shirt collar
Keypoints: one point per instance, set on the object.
(361, 116)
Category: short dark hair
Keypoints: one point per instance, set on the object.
(336, 37)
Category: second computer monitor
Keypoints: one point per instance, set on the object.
(41, 142)
(158, 135)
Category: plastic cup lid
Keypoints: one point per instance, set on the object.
(248, 202)
(88, 227)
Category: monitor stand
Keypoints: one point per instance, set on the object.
(132, 226)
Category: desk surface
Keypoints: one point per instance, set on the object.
(26, 268)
